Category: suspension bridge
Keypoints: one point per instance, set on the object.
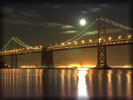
(121, 35)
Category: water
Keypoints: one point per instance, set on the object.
(63, 84)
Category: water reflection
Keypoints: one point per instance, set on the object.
(119, 83)
(109, 83)
(100, 89)
(129, 85)
(66, 83)
(82, 86)
(90, 82)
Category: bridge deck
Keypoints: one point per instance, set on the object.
(68, 47)
(90, 45)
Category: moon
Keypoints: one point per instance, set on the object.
(82, 21)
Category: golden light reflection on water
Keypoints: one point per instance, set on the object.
(82, 85)
(119, 83)
(109, 83)
(100, 83)
(129, 85)
(90, 83)
(62, 83)
(76, 83)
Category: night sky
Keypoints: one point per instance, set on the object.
(50, 23)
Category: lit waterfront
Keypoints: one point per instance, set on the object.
(66, 83)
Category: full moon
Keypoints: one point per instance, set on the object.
(82, 21)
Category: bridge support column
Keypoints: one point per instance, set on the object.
(101, 58)
(14, 60)
(47, 58)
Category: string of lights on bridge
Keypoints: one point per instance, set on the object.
(90, 42)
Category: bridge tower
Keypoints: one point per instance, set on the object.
(47, 58)
(101, 59)
(13, 56)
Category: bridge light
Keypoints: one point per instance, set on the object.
(40, 46)
(62, 44)
(75, 42)
(100, 39)
(82, 41)
(90, 40)
(13, 50)
(129, 36)
(16, 50)
(69, 43)
(110, 38)
(119, 37)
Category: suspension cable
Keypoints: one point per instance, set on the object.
(117, 24)
(6, 44)
(23, 42)
(82, 33)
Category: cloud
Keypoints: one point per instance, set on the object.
(67, 27)
(51, 24)
(56, 25)
(17, 21)
(7, 10)
(91, 33)
(70, 32)
(95, 9)
(84, 12)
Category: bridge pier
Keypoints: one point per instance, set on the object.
(47, 58)
(14, 61)
(102, 59)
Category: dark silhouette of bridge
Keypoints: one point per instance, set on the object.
(101, 43)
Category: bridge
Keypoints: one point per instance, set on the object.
(80, 40)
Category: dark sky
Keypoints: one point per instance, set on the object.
(49, 23)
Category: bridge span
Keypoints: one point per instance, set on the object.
(101, 43)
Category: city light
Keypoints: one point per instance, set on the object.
(28, 66)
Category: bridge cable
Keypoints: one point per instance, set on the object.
(22, 42)
(81, 33)
(117, 24)
(6, 44)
